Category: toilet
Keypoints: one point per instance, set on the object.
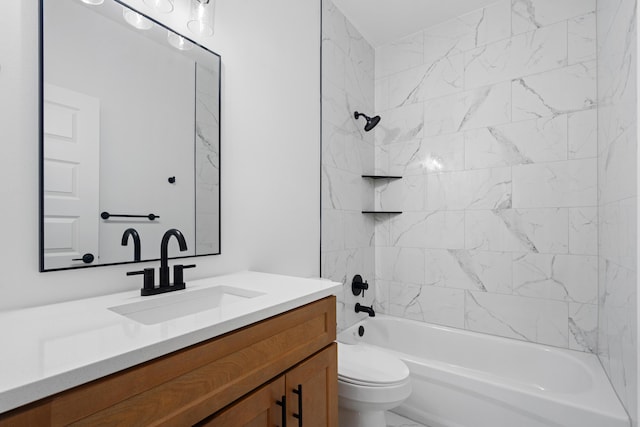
(370, 382)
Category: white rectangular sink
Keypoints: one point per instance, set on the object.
(178, 304)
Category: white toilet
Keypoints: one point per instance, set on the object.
(370, 382)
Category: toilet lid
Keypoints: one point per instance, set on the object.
(360, 364)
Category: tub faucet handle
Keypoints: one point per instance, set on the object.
(358, 286)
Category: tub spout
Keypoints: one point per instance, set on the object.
(368, 310)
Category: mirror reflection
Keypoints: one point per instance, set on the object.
(130, 137)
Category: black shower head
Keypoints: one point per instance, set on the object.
(371, 121)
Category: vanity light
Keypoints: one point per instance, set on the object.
(201, 17)
(178, 42)
(93, 2)
(136, 20)
(162, 6)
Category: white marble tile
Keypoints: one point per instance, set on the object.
(381, 300)
(405, 265)
(495, 23)
(617, 328)
(583, 327)
(338, 107)
(532, 52)
(583, 134)
(527, 319)
(473, 270)
(526, 142)
(332, 230)
(343, 150)
(560, 91)
(381, 94)
(343, 190)
(617, 232)
(559, 184)
(616, 161)
(478, 189)
(583, 231)
(531, 14)
(428, 155)
(444, 229)
(522, 230)
(406, 194)
(381, 159)
(430, 229)
(399, 55)
(571, 278)
(582, 38)
(400, 124)
(382, 229)
(431, 304)
(486, 106)
(451, 37)
(333, 62)
(441, 77)
(358, 230)
(617, 51)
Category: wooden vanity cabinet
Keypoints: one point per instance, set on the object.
(310, 386)
(236, 379)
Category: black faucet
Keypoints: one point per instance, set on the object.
(164, 254)
(136, 242)
(149, 287)
(368, 310)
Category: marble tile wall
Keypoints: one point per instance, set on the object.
(618, 197)
(491, 118)
(348, 244)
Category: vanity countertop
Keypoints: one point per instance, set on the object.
(52, 348)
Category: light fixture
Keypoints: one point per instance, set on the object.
(136, 20)
(201, 17)
(93, 2)
(178, 41)
(162, 6)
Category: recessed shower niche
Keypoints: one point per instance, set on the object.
(130, 136)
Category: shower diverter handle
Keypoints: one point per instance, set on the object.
(358, 286)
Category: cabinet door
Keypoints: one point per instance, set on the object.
(312, 391)
(258, 409)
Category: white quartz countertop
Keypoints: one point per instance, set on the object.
(48, 349)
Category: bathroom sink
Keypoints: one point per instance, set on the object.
(178, 304)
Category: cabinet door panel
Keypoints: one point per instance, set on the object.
(258, 409)
(318, 379)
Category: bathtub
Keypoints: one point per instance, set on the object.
(467, 379)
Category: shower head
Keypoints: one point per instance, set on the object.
(371, 121)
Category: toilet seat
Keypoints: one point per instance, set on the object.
(368, 366)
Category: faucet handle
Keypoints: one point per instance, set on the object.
(178, 276)
(358, 286)
(149, 280)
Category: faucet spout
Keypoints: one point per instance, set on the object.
(368, 310)
(136, 242)
(164, 253)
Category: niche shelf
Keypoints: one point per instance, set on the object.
(382, 212)
(376, 177)
(382, 176)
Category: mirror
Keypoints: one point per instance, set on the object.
(130, 137)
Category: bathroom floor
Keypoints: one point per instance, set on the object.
(395, 420)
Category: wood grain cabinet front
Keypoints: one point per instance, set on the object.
(232, 380)
(304, 396)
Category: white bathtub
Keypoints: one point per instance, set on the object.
(467, 379)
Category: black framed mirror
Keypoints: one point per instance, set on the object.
(129, 137)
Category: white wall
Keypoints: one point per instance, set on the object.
(270, 151)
